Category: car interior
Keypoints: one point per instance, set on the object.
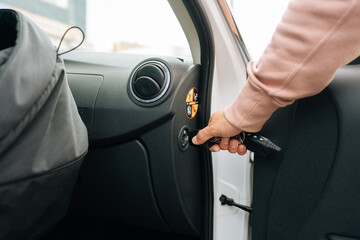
(140, 178)
(139, 169)
(303, 192)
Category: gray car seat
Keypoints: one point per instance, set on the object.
(42, 137)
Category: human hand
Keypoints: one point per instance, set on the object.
(220, 127)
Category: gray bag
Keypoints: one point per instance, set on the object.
(42, 138)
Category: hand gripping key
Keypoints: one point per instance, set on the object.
(258, 144)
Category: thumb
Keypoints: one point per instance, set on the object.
(202, 136)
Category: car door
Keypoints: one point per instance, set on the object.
(310, 189)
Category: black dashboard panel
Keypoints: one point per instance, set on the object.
(119, 186)
(135, 171)
(116, 114)
(85, 89)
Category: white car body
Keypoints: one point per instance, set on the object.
(232, 174)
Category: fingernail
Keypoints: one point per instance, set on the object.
(194, 140)
(233, 144)
(242, 149)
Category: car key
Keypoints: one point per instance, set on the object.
(258, 144)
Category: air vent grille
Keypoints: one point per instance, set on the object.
(150, 81)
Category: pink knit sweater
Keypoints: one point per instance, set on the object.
(313, 39)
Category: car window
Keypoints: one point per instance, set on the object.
(256, 21)
(128, 26)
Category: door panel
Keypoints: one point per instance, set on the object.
(338, 237)
(137, 171)
(310, 189)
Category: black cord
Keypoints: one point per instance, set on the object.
(230, 202)
(63, 36)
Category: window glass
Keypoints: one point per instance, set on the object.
(256, 21)
(128, 26)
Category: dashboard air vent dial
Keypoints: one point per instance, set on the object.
(149, 81)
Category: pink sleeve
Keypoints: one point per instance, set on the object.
(314, 38)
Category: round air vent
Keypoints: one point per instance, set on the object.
(149, 81)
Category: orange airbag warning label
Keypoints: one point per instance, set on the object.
(192, 103)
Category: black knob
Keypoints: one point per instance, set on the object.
(146, 87)
(153, 72)
(149, 81)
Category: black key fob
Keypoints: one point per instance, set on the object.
(258, 144)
